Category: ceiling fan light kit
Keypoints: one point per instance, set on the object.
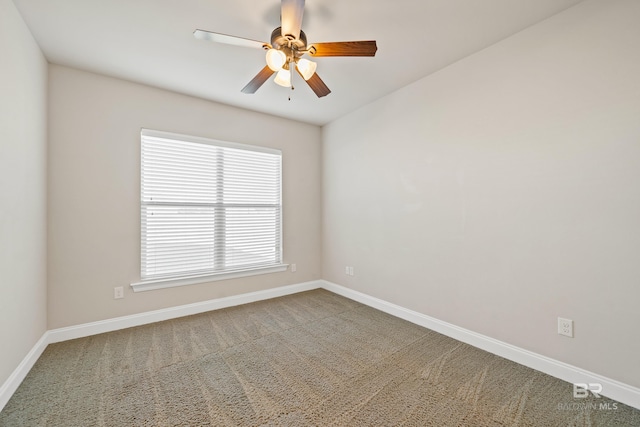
(288, 45)
(276, 59)
(306, 68)
(283, 78)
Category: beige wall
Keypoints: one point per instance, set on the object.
(23, 199)
(503, 191)
(94, 191)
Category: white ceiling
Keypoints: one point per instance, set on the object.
(151, 42)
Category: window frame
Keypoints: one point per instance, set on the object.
(160, 282)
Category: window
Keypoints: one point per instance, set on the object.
(208, 208)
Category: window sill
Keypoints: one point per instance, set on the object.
(152, 284)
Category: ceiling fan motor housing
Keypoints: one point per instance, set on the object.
(291, 46)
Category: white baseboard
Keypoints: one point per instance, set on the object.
(99, 327)
(613, 389)
(17, 376)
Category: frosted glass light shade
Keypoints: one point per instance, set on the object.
(306, 68)
(283, 78)
(276, 59)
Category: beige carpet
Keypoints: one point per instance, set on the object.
(310, 359)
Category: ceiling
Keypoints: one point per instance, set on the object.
(151, 42)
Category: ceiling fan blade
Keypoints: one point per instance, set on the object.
(226, 39)
(360, 48)
(291, 17)
(258, 80)
(317, 85)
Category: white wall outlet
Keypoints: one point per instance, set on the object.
(346, 271)
(350, 271)
(293, 268)
(118, 292)
(565, 327)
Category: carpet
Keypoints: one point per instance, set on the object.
(309, 359)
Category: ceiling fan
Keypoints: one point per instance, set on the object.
(288, 45)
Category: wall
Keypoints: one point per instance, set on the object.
(503, 192)
(94, 191)
(23, 200)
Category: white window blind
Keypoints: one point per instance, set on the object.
(207, 206)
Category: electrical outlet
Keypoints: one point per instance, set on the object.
(565, 327)
(293, 268)
(346, 271)
(118, 292)
(350, 271)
